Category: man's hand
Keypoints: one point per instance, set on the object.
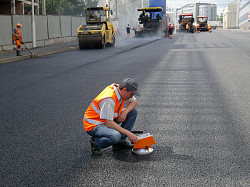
(21, 42)
(132, 137)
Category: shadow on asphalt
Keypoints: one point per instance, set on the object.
(159, 153)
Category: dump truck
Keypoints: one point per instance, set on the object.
(152, 20)
(184, 19)
(98, 32)
(202, 21)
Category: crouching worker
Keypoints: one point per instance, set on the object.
(111, 116)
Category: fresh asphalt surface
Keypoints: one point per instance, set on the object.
(194, 101)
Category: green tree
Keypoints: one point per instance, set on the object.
(66, 7)
(91, 3)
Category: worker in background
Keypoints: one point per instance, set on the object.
(93, 16)
(173, 28)
(170, 31)
(117, 30)
(128, 30)
(187, 27)
(17, 37)
(197, 28)
(209, 27)
(113, 106)
(158, 17)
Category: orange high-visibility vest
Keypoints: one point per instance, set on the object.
(209, 26)
(19, 35)
(92, 115)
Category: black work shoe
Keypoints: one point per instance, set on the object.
(18, 53)
(123, 145)
(94, 148)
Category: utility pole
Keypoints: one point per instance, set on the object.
(33, 26)
(116, 9)
(13, 7)
(43, 7)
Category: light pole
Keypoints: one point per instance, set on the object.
(116, 9)
(33, 26)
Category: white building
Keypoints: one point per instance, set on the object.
(243, 14)
(200, 9)
(230, 16)
(209, 10)
(237, 15)
(170, 13)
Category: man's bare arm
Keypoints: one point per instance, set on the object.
(123, 115)
(132, 137)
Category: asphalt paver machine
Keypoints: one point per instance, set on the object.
(184, 19)
(152, 19)
(202, 21)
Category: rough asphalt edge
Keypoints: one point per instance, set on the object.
(35, 55)
(13, 59)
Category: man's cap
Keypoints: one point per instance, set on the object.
(131, 85)
(19, 25)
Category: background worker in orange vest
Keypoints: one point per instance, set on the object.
(110, 117)
(170, 31)
(173, 27)
(209, 27)
(187, 27)
(17, 37)
(197, 28)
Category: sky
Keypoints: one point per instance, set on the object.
(221, 4)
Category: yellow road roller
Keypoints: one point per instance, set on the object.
(98, 31)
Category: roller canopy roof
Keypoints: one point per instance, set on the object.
(186, 14)
(201, 16)
(98, 8)
(151, 9)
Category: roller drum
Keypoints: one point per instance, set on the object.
(90, 41)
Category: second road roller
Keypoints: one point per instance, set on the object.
(98, 32)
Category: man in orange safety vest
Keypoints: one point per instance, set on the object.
(110, 117)
(17, 37)
(197, 28)
(209, 27)
(187, 27)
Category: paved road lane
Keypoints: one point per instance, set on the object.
(194, 101)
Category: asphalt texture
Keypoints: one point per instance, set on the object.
(10, 56)
(194, 101)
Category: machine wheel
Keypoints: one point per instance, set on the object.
(103, 43)
(113, 42)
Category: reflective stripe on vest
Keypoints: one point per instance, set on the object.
(92, 115)
(92, 121)
(19, 35)
(98, 111)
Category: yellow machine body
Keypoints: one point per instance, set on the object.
(98, 32)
